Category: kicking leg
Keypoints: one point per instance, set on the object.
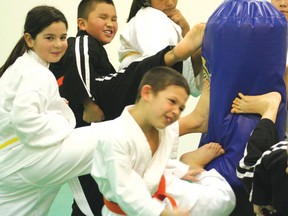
(201, 111)
(197, 120)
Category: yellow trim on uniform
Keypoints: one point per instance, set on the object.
(9, 142)
(206, 73)
(129, 54)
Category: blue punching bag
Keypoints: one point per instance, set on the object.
(244, 50)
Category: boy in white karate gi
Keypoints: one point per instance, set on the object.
(140, 147)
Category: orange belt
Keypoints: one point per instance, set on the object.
(60, 81)
(160, 194)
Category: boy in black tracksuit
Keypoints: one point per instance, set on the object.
(98, 80)
(89, 82)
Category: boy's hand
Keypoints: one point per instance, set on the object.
(174, 212)
(258, 210)
(92, 112)
(191, 175)
(177, 17)
(65, 100)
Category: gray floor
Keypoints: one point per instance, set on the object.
(62, 204)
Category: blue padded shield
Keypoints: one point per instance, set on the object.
(245, 51)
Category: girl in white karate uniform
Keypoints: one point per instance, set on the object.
(139, 147)
(39, 148)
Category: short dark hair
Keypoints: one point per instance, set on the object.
(86, 6)
(161, 77)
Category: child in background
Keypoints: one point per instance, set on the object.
(133, 156)
(153, 25)
(92, 86)
(36, 154)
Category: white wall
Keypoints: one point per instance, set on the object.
(13, 13)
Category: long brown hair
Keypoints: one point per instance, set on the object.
(37, 19)
(136, 6)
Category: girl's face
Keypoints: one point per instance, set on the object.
(50, 44)
(165, 6)
(167, 106)
(101, 23)
(282, 6)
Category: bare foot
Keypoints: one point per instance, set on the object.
(266, 105)
(190, 43)
(203, 155)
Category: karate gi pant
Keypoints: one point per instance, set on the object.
(31, 190)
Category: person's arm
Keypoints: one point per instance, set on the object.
(92, 112)
(269, 179)
(74, 87)
(78, 85)
(259, 210)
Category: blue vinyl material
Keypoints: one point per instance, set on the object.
(245, 51)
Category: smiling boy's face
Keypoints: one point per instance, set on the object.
(101, 23)
(166, 106)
